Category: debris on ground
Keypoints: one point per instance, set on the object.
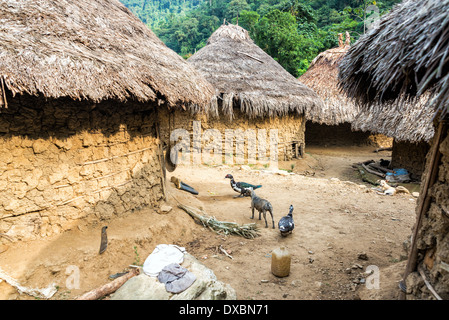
(249, 230)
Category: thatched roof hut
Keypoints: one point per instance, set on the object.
(247, 78)
(410, 122)
(91, 50)
(404, 60)
(81, 88)
(332, 124)
(322, 77)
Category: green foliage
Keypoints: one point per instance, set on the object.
(293, 32)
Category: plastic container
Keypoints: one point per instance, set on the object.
(280, 262)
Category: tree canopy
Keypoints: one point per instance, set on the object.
(293, 32)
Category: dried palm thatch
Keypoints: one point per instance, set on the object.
(249, 231)
(406, 56)
(93, 50)
(322, 77)
(409, 122)
(246, 77)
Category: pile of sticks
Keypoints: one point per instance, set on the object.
(373, 168)
(249, 231)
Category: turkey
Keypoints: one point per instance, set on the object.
(241, 187)
(286, 224)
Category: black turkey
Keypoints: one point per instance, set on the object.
(286, 224)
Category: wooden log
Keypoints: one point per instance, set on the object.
(373, 171)
(364, 176)
(109, 288)
(379, 167)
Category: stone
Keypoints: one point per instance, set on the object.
(362, 256)
(39, 146)
(65, 144)
(166, 208)
(205, 287)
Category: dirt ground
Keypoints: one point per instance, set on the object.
(342, 227)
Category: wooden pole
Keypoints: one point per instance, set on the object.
(110, 287)
(424, 204)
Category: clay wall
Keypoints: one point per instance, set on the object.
(65, 160)
(289, 128)
(410, 156)
(433, 237)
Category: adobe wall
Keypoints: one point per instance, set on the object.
(289, 128)
(410, 156)
(64, 160)
(433, 237)
(342, 135)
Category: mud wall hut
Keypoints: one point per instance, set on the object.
(81, 84)
(397, 63)
(410, 125)
(332, 124)
(253, 92)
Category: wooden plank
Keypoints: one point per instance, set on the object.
(424, 203)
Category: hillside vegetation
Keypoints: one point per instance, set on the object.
(293, 32)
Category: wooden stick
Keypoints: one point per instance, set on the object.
(115, 157)
(3, 95)
(226, 254)
(427, 283)
(379, 167)
(108, 288)
(373, 172)
(424, 204)
(250, 56)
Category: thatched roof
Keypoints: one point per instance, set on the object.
(410, 122)
(248, 78)
(94, 50)
(322, 77)
(403, 58)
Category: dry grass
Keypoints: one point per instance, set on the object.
(94, 50)
(411, 122)
(246, 77)
(405, 57)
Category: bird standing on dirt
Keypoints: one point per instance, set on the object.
(241, 187)
(104, 240)
(286, 224)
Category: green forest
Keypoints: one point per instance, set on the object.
(293, 32)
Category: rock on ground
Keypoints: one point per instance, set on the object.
(205, 287)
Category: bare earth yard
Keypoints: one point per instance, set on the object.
(342, 227)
